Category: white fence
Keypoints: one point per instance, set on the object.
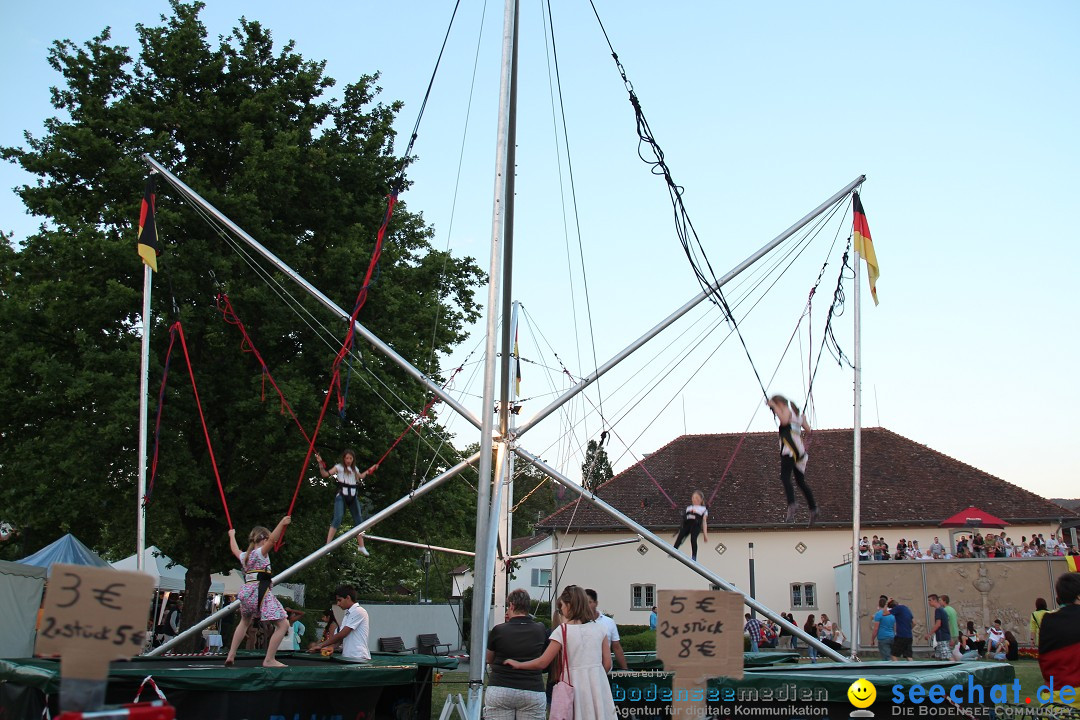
(408, 621)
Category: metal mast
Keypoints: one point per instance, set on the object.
(500, 277)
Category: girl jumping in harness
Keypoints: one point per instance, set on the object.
(349, 482)
(256, 600)
(695, 520)
(793, 455)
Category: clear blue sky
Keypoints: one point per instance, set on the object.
(962, 115)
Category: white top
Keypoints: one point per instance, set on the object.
(609, 627)
(355, 644)
(699, 510)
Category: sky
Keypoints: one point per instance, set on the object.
(961, 115)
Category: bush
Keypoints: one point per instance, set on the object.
(639, 642)
(631, 629)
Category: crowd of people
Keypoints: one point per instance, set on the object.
(975, 545)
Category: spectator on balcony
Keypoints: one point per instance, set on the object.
(978, 545)
(937, 550)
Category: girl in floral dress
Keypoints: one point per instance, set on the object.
(256, 600)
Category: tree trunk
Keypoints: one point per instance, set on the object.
(196, 591)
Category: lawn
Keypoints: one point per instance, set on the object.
(455, 681)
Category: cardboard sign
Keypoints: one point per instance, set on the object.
(699, 634)
(93, 615)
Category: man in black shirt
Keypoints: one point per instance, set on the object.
(515, 694)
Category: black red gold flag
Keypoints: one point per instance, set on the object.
(865, 246)
(149, 246)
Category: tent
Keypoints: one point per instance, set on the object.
(234, 580)
(66, 550)
(168, 575)
(21, 587)
(973, 517)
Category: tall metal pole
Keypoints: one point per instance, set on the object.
(502, 215)
(144, 413)
(505, 508)
(753, 579)
(690, 305)
(340, 540)
(274, 260)
(856, 463)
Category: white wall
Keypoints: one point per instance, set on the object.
(523, 574)
(778, 563)
(408, 621)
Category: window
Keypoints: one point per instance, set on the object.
(541, 578)
(804, 595)
(642, 597)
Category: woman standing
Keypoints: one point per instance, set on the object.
(588, 652)
(349, 482)
(1036, 620)
(516, 694)
(811, 629)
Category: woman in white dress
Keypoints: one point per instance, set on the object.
(589, 653)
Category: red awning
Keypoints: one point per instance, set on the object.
(973, 517)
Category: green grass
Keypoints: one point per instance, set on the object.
(454, 681)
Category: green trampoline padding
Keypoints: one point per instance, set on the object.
(304, 671)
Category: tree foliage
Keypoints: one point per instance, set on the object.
(596, 470)
(249, 126)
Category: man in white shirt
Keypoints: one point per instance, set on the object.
(1051, 544)
(610, 628)
(994, 636)
(355, 627)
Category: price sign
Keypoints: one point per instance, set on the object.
(699, 634)
(93, 615)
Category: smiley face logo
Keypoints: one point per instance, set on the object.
(862, 693)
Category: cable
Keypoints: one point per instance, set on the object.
(684, 227)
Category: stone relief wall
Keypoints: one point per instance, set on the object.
(980, 590)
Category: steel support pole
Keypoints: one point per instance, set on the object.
(325, 549)
(144, 412)
(422, 546)
(667, 548)
(670, 319)
(576, 548)
(485, 509)
(856, 465)
(313, 291)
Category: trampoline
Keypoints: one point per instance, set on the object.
(389, 687)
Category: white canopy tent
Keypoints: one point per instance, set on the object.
(167, 574)
(234, 580)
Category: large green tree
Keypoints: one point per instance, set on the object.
(248, 125)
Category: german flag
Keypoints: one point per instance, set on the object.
(149, 247)
(865, 246)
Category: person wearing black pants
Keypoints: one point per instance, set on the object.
(695, 522)
(793, 455)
